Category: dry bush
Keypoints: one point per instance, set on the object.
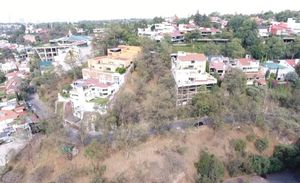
(41, 174)
(14, 176)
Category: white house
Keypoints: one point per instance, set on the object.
(293, 25)
(279, 70)
(189, 74)
(85, 90)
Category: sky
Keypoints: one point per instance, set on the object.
(74, 10)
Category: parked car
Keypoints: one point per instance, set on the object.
(4, 137)
(9, 130)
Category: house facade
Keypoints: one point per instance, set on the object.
(190, 76)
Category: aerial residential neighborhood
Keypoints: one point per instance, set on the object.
(179, 92)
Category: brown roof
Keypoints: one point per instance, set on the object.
(192, 56)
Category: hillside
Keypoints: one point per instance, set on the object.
(165, 158)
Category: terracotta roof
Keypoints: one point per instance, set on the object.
(261, 81)
(245, 61)
(192, 56)
(291, 62)
(96, 83)
(6, 114)
(217, 65)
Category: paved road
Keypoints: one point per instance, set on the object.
(38, 107)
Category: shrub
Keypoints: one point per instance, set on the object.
(121, 70)
(261, 144)
(285, 156)
(239, 145)
(235, 167)
(257, 164)
(209, 169)
(250, 137)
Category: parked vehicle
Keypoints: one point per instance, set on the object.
(4, 137)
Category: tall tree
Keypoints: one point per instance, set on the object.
(234, 49)
(276, 48)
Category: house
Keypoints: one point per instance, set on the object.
(188, 70)
(185, 28)
(289, 62)
(293, 25)
(156, 31)
(102, 79)
(86, 90)
(6, 118)
(205, 32)
(78, 40)
(29, 38)
(279, 70)
(15, 74)
(8, 66)
(251, 68)
(217, 67)
(280, 29)
(263, 31)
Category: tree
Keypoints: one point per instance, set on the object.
(202, 20)
(234, 81)
(297, 69)
(191, 36)
(234, 49)
(259, 50)
(2, 77)
(95, 152)
(295, 47)
(204, 103)
(158, 20)
(209, 169)
(276, 48)
(291, 77)
(261, 144)
(258, 164)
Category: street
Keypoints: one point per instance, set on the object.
(38, 107)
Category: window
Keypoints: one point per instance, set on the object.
(193, 61)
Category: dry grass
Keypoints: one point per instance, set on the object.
(160, 159)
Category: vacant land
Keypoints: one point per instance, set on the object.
(164, 158)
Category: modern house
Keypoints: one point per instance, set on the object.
(279, 70)
(189, 74)
(102, 79)
(252, 70)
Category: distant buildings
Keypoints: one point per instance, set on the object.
(189, 74)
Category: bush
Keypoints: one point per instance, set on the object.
(121, 70)
(285, 156)
(209, 169)
(239, 145)
(250, 138)
(261, 144)
(235, 167)
(257, 164)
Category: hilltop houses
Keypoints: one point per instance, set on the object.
(189, 73)
(102, 79)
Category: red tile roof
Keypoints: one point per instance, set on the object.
(245, 61)
(96, 83)
(6, 115)
(291, 62)
(192, 56)
(217, 65)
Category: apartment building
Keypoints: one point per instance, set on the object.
(190, 76)
(102, 79)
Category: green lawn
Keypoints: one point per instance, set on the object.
(100, 101)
